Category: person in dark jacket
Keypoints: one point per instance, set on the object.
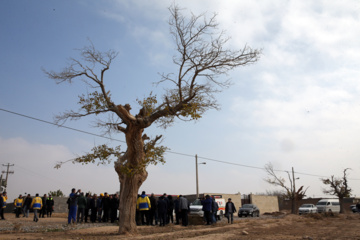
(177, 212)
(99, 206)
(114, 206)
(215, 208)
(207, 208)
(162, 209)
(93, 208)
(27, 204)
(44, 207)
(81, 204)
(106, 207)
(153, 210)
(1, 206)
(166, 199)
(184, 207)
(230, 210)
(170, 215)
(87, 207)
(49, 206)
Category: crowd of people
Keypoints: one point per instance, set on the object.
(40, 206)
(91, 207)
(104, 208)
(152, 211)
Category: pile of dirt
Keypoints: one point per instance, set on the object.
(274, 213)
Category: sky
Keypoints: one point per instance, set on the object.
(297, 107)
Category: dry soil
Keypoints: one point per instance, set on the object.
(283, 226)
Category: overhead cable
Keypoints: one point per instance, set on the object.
(183, 154)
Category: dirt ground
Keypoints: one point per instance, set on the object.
(285, 226)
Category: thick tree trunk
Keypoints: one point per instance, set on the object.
(132, 173)
(341, 202)
(293, 206)
(129, 188)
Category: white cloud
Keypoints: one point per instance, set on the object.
(34, 170)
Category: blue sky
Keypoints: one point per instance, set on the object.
(299, 106)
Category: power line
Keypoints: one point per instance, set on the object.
(58, 125)
(183, 154)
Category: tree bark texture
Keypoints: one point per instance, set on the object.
(341, 202)
(131, 182)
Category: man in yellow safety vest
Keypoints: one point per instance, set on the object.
(18, 203)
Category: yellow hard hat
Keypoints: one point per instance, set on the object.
(101, 194)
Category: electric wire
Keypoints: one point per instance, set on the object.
(182, 154)
(58, 125)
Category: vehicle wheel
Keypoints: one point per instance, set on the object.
(240, 216)
(258, 214)
(221, 215)
(253, 214)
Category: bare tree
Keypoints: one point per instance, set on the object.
(201, 58)
(338, 187)
(290, 189)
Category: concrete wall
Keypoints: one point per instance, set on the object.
(265, 203)
(60, 205)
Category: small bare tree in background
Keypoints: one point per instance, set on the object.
(338, 187)
(290, 189)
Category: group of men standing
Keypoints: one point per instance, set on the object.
(210, 208)
(150, 209)
(23, 205)
(105, 207)
(92, 207)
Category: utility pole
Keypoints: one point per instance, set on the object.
(197, 177)
(1, 184)
(7, 172)
(294, 193)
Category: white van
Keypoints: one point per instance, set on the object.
(196, 208)
(328, 205)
